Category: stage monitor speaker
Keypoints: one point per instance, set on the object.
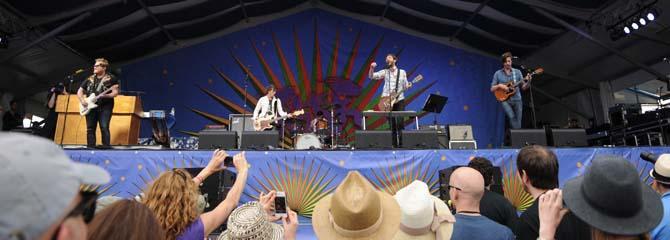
(366, 139)
(523, 137)
(420, 139)
(236, 121)
(215, 188)
(568, 137)
(217, 138)
(259, 140)
(462, 144)
(445, 174)
(461, 132)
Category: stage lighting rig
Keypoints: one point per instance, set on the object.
(641, 17)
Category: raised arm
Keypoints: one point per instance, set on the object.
(218, 216)
(375, 75)
(215, 164)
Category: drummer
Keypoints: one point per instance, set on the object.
(319, 122)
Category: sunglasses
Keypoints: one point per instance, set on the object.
(85, 208)
(99, 65)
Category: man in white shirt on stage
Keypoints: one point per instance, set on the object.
(395, 80)
(269, 105)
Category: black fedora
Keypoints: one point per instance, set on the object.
(611, 197)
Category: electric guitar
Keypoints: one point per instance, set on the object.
(263, 123)
(386, 102)
(502, 95)
(91, 102)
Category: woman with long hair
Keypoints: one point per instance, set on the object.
(173, 195)
(125, 219)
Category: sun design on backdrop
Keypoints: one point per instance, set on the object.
(513, 188)
(314, 91)
(390, 179)
(304, 185)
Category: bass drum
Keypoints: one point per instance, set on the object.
(307, 141)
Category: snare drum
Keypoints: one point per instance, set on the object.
(307, 141)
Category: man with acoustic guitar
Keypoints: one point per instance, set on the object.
(395, 80)
(513, 106)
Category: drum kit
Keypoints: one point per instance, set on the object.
(324, 134)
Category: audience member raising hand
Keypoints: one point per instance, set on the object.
(172, 198)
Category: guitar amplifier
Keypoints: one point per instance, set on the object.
(461, 132)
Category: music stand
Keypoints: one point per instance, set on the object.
(435, 103)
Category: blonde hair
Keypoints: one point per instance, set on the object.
(105, 63)
(172, 197)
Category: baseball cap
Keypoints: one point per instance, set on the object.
(38, 183)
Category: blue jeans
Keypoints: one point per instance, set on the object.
(514, 111)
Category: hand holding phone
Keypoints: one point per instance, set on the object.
(280, 204)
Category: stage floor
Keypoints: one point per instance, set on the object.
(307, 176)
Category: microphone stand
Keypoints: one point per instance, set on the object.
(244, 108)
(67, 106)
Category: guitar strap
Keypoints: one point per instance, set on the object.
(397, 78)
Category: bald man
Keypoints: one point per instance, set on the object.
(466, 188)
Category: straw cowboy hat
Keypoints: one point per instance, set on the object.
(423, 216)
(248, 222)
(356, 210)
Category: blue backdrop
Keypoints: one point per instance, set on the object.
(314, 57)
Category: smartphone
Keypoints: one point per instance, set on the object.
(228, 162)
(280, 204)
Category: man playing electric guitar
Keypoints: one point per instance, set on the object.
(514, 105)
(269, 105)
(395, 80)
(105, 86)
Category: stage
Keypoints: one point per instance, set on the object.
(307, 176)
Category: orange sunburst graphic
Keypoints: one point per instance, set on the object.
(313, 84)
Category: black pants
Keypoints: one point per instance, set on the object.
(397, 124)
(102, 114)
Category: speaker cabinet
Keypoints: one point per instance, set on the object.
(421, 139)
(568, 137)
(215, 188)
(366, 139)
(259, 140)
(523, 137)
(217, 138)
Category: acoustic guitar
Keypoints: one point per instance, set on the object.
(502, 95)
(386, 102)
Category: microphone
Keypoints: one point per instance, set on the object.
(81, 70)
(649, 157)
(515, 57)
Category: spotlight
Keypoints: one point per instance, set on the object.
(626, 30)
(643, 22)
(651, 16)
(634, 25)
(4, 40)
